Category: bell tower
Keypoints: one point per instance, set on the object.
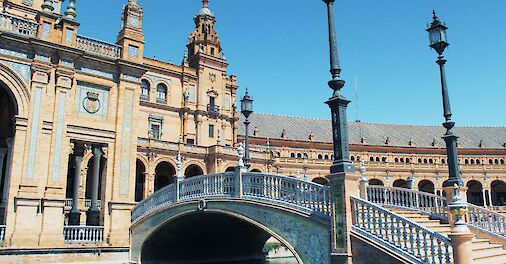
(131, 36)
(204, 40)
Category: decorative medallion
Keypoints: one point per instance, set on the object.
(91, 103)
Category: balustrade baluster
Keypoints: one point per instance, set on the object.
(405, 235)
(433, 250)
(425, 247)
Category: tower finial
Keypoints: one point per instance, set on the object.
(205, 3)
(71, 13)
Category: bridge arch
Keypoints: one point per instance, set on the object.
(304, 234)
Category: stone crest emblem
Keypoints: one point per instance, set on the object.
(91, 103)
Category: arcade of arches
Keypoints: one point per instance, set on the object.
(8, 110)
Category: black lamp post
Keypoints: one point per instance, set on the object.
(439, 42)
(337, 103)
(246, 110)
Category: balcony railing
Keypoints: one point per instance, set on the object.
(213, 109)
(86, 203)
(2, 232)
(98, 47)
(18, 25)
(83, 234)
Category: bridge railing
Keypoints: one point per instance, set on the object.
(406, 198)
(211, 185)
(272, 188)
(288, 190)
(487, 220)
(400, 234)
(161, 198)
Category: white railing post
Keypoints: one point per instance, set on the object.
(239, 170)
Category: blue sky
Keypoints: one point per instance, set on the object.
(279, 49)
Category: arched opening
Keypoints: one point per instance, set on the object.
(140, 179)
(326, 156)
(256, 170)
(498, 193)
(426, 186)
(230, 169)
(8, 109)
(376, 182)
(89, 177)
(321, 181)
(206, 237)
(299, 156)
(400, 183)
(192, 171)
(164, 175)
(320, 156)
(474, 192)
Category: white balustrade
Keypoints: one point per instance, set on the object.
(2, 232)
(161, 198)
(487, 220)
(86, 203)
(98, 47)
(407, 237)
(272, 188)
(208, 186)
(83, 234)
(406, 198)
(18, 25)
(288, 190)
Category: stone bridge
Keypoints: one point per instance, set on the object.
(229, 216)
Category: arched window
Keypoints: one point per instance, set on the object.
(326, 156)
(402, 160)
(299, 155)
(496, 161)
(425, 161)
(472, 161)
(478, 162)
(431, 161)
(377, 159)
(384, 159)
(502, 161)
(292, 155)
(466, 161)
(419, 160)
(396, 160)
(408, 160)
(352, 158)
(490, 161)
(161, 93)
(320, 156)
(443, 161)
(371, 159)
(145, 90)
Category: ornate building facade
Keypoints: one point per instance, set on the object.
(89, 128)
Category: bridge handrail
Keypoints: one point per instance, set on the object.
(209, 185)
(405, 236)
(289, 190)
(405, 198)
(487, 220)
(161, 198)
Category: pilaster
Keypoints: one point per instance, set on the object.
(342, 185)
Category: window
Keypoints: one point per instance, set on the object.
(145, 90)
(212, 51)
(190, 141)
(155, 126)
(211, 104)
(161, 93)
(155, 131)
(211, 131)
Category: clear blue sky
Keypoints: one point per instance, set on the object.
(279, 49)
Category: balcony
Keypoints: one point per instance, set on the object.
(83, 203)
(83, 234)
(18, 25)
(213, 109)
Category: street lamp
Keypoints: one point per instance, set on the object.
(337, 103)
(439, 42)
(246, 110)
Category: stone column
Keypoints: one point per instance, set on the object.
(93, 214)
(75, 215)
(490, 198)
